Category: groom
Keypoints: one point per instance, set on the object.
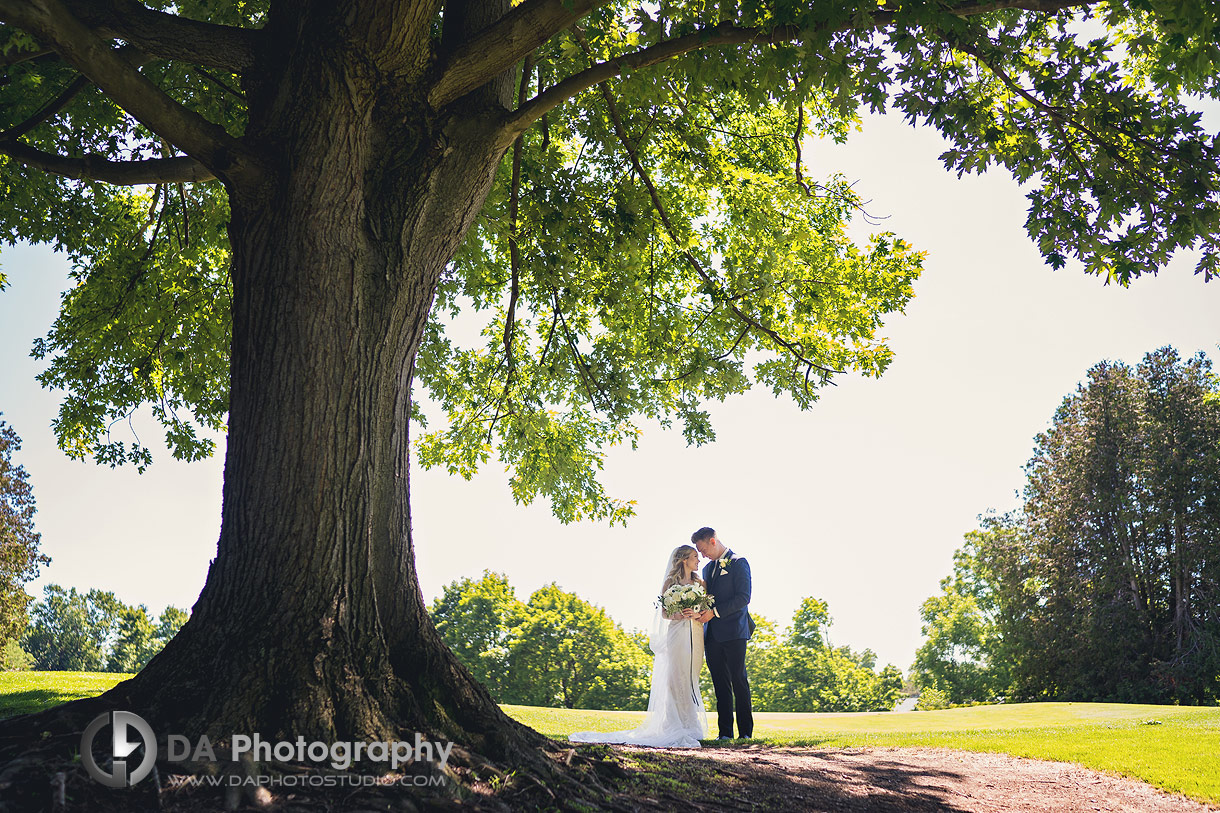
(727, 627)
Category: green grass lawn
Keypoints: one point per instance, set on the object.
(1180, 752)
(25, 692)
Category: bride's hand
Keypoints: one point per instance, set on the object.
(688, 613)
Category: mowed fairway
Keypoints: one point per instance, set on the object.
(1176, 748)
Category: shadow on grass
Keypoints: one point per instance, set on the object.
(32, 700)
(746, 777)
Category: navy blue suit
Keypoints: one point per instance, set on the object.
(724, 639)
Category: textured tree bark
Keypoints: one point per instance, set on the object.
(312, 621)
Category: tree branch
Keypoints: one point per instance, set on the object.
(1052, 111)
(796, 140)
(47, 111)
(169, 36)
(19, 55)
(514, 252)
(726, 33)
(620, 131)
(500, 46)
(52, 23)
(96, 168)
(729, 33)
(586, 374)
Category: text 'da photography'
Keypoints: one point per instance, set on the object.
(119, 750)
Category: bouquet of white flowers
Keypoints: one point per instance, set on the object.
(681, 597)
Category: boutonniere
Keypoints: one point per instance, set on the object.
(724, 563)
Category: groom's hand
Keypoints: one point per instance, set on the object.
(705, 616)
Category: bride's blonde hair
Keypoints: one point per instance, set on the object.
(677, 566)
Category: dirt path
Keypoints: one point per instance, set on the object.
(913, 779)
(624, 779)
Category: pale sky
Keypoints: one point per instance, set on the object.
(859, 501)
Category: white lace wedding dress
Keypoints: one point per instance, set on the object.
(676, 718)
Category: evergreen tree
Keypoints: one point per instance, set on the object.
(1107, 585)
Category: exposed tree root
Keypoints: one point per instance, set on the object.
(41, 769)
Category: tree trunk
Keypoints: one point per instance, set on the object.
(1182, 622)
(312, 622)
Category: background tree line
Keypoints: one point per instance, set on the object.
(89, 632)
(1105, 585)
(65, 630)
(558, 650)
(797, 669)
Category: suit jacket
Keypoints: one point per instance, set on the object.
(732, 593)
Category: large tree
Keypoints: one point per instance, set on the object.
(964, 655)
(272, 206)
(568, 653)
(476, 620)
(1122, 506)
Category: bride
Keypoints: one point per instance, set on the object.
(676, 718)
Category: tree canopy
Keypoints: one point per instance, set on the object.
(1123, 508)
(72, 631)
(964, 656)
(799, 671)
(477, 620)
(651, 241)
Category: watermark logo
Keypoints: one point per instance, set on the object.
(121, 747)
(341, 755)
